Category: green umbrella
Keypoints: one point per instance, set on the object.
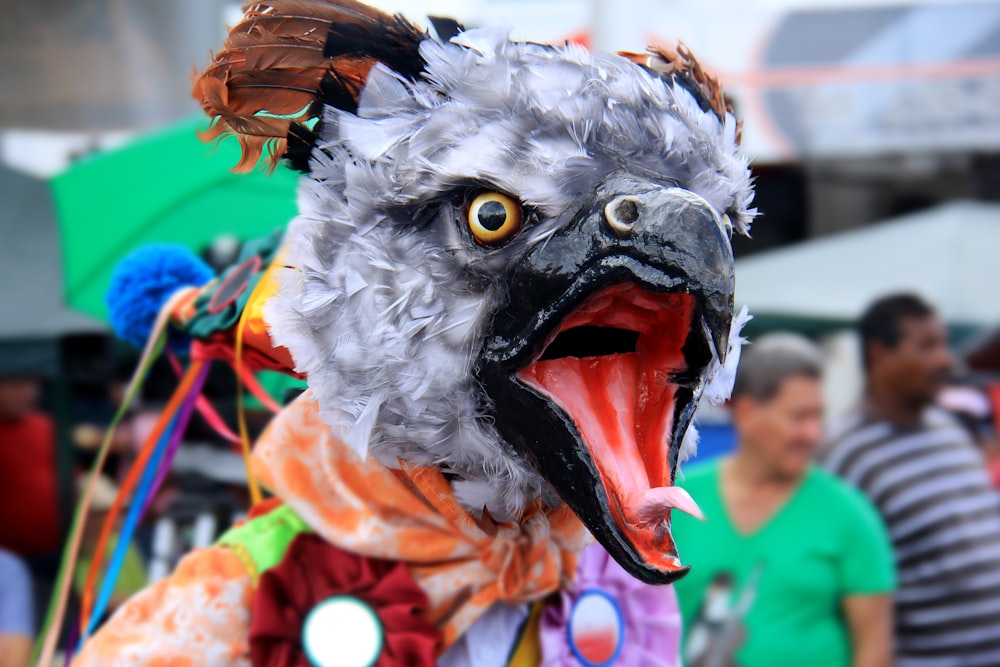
(167, 186)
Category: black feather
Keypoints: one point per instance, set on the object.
(691, 85)
(334, 91)
(395, 43)
(337, 92)
(445, 27)
(301, 141)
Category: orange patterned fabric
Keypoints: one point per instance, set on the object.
(199, 617)
(464, 564)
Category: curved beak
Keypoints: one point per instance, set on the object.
(597, 363)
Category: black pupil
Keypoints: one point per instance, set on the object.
(492, 215)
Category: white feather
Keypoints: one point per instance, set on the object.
(720, 377)
(689, 445)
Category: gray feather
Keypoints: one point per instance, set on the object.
(386, 316)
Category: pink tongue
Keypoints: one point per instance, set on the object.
(602, 396)
(614, 403)
(653, 505)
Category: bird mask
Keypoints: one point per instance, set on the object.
(512, 260)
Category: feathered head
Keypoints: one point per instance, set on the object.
(512, 260)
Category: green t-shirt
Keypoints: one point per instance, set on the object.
(774, 597)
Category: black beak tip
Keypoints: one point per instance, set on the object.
(648, 575)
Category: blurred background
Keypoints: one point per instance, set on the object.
(856, 114)
(873, 128)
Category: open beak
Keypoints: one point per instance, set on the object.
(597, 363)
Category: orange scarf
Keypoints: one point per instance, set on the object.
(464, 564)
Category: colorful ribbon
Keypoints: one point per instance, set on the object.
(49, 636)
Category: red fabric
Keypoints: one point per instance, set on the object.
(29, 486)
(993, 391)
(256, 357)
(314, 570)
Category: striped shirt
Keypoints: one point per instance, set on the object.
(931, 487)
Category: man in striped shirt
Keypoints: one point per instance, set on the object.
(922, 472)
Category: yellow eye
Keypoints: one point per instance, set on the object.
(494, 218)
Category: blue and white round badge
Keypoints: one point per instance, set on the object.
(342, 631)
(596, 629)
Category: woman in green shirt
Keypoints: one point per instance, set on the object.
(791, 567)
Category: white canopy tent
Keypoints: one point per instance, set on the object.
(950, 255)
(33, 314)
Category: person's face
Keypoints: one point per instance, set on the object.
(18, 397)
(917, 368)
(784, 430)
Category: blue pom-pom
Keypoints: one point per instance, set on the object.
(143, 282)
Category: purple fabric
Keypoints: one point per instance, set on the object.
(184, 416)
(74, 638)
(652, 619)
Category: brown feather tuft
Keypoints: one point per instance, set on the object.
(270, 71)
(681, 61)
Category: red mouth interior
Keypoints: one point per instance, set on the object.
(621, 399)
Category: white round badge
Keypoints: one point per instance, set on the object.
(596, 629)
(342, 631)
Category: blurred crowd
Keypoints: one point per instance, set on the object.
(873, 542)
(203, 494)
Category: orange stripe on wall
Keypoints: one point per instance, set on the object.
(809, 76)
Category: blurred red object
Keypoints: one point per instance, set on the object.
(993, 391)
(28, 485)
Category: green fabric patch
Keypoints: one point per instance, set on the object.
(265, 539)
